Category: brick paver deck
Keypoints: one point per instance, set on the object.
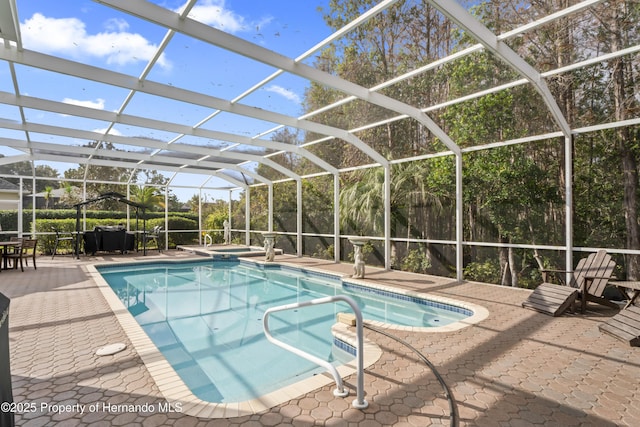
(515, 368)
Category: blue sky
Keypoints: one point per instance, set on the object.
(91, 33)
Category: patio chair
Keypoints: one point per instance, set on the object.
(23, 252)
(60, 237)
(588, 281)
(153, 235)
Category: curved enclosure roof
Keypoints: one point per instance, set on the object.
(202, 89)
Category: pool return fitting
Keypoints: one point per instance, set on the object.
(359, 402)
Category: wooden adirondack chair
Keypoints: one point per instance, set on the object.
(625, 326)
(587, 283)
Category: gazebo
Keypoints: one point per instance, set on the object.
(139, 209)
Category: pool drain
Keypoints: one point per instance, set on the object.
(110, 349)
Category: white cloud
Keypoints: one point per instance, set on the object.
(286, 93)
(215, 14)
(111, 132)
(115, 24)
(98, 103)
(69, 36)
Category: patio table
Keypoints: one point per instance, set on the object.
(626, 287)
(5, 248)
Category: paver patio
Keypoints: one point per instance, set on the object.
(515, 368)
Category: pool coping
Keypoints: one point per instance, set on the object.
(210, 251)
(479, 312)
(177, 393)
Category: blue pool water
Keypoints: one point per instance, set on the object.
(206, 318)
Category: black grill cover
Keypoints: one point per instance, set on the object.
(6, 417)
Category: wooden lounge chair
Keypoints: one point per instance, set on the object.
(588, 282)
(625, 326)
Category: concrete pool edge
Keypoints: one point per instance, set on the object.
(479, 312)
(176, 391)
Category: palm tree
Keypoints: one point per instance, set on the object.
(361, 202)
(149, 197)
(47, 195)
(413, 184)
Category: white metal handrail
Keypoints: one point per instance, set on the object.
(359, 402)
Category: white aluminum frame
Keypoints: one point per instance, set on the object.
(13, 53)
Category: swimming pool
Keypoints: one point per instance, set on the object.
(205, 317)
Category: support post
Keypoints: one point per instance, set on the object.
(568, 203)
(459, 219)
(387, 217)
(299, 217)
(336, 217)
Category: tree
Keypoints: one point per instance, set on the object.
(47, 195)
(194, 203)
(156, 178)
(71, 196)
(362, 204)
(99, 179)
(412, 187)
(502, 186)
(401, 38)
(26, 169)
(147, 196)
(597, 94)
(620, 28)
(513, 194)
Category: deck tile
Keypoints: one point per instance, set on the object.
(515, 367)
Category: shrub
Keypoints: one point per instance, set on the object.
(178, 223)
(46, 242)
(322, 253)
(416, 261)
(487, 271)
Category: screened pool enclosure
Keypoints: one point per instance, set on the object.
(476, 140)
